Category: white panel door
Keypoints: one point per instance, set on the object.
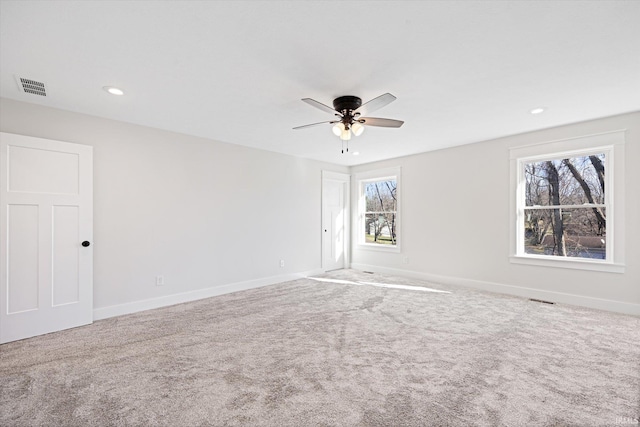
(335, 221)
(46, 217)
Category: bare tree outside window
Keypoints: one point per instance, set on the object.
(380, 212)
(565, 207)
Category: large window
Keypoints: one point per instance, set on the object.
(564, 203)
(379, 209)
(565, 206)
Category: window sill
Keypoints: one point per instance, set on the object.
(379, 248)
(576, 264)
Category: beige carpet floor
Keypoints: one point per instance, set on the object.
(343, 349)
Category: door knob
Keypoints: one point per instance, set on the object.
(86, 243)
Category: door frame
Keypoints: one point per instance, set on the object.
(346, 180)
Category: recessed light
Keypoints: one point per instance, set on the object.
(538, 110)
(356, 153)
(113, 90)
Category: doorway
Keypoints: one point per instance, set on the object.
(335, 220)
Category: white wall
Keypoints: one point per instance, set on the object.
(446, 240)
(206, 214)
(201, 213)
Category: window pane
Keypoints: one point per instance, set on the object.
(380, 228)
(579, 233)
(380, 196)
(570, 181)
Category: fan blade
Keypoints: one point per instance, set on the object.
(314, 124)
(375, 103)
(385, 123)
(319, 105)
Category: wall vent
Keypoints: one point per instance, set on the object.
(31, 86)
(541, 300)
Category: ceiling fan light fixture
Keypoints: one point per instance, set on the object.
(349, 111)
(357, 129)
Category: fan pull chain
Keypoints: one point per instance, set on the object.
(343, 148)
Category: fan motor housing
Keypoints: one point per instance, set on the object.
(347, 103)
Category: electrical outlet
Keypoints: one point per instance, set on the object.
(405, 260)
(159, 280)
(281, 263)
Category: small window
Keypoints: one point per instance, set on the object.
(379, 210)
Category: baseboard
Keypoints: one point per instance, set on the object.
(167, 300)
(559, 297)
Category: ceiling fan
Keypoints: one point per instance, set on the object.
(349, 111)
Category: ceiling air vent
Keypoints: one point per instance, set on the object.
(31, 86)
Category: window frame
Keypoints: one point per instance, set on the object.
(612, 145)
(372, 176)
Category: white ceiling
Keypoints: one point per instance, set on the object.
(463, 72)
